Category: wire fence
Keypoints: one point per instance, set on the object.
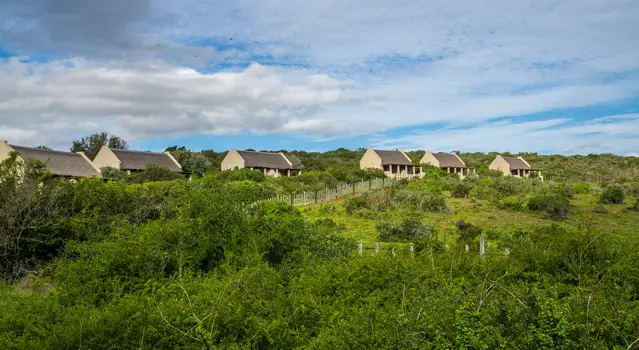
(329, 194)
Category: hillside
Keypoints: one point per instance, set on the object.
(196, 264)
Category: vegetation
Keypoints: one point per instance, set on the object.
(91, 144)
(148, 261)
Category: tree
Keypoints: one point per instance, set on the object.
(91, 145)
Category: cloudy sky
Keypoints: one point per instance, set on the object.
(539, 75)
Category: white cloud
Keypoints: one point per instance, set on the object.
(49, 102)
(456, 63)
(560, 135)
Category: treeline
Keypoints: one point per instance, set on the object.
(343, 164)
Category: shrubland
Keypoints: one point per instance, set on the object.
(199, 264)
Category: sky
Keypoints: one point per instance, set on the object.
(554, 77)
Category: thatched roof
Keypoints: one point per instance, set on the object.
(59, 163)
(448, 160)
(517, 163)
(138, 160)
(393, 158)
(267, 160)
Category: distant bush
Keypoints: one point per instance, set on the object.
(109, 173)
(511, 204)
(507, 185)
(410, 229)
(422, 200)
(467, 232)
(461, 190)
(600, 208)
(154, 173)
(636, 206)
(582, 188)
(612, 194)
(379, 200)
(565, 189)
(553, 206)
(632, 188)
(354, 203)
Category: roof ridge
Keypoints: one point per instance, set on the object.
(45, 150)
(134, 151)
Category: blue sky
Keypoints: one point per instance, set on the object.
(539, 76)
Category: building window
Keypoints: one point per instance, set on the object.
(386, 168)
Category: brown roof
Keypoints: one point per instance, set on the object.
(59, 163)
(448, 160)
(264, 160)
(516, 163)
(138, 160)
(393, 158)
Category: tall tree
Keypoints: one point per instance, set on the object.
(91, 145)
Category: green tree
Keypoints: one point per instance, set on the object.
(91, 144)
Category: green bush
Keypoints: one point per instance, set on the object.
(582, 188)
(461, 190)
(422, 200)
(612, 194)
(553, 206)
(355, 203)
(600, 208)
(410, 229)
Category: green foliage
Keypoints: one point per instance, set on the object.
(409, 229)
(91, 144)
(467, 232)
(355, 203)
(461, 190)
(154, 173)
(422, 201)
(113, 174)
(613, 194)
(553, 206)
(600, 209)
(202, 264)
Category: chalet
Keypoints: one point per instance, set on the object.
(134, 161)
(513, 166)
(393, 163)
(445, 161)
(59, 164)
(273, 164)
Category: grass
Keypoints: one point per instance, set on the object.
(361, 225)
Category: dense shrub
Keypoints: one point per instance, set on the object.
(467, 232)
(553, 206)
(582, 188)
(410, 229)
(422, 200)
(355, 203)
(600, 208)
(461, 190)
(612, 194)
(154, 173)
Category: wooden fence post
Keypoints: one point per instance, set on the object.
(376, 248)
(411, 249)
(481, 245)
(360, 248)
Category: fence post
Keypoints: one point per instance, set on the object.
(370, 185)
(376, 248)
(315, 197)
(360, 248)
(466, 248)
(393, 251)
(481, 245)
(354, 184)
(411, 249)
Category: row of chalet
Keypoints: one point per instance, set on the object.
(394, 163)
(398, 164)
(78, 165)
